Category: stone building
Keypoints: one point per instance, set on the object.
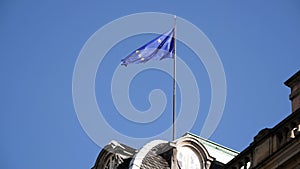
(272, 148)
(189, 151)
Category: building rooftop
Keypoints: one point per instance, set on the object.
(219, 152)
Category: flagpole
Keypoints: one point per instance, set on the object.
(174, 83)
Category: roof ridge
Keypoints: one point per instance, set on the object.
(212, 142)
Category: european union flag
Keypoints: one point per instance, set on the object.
(159, 48)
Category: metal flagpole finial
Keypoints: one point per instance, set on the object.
(175, 18)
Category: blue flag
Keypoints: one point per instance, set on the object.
(159, 48)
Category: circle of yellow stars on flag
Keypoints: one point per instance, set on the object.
(140, 55)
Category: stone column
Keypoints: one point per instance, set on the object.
(294, 84)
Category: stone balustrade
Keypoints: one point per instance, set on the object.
(267, 143)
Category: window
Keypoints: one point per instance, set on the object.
(187, 158)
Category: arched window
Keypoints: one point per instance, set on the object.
(187, 158)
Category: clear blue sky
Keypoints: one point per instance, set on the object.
(258, 43)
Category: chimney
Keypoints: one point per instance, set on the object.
(294, 83)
